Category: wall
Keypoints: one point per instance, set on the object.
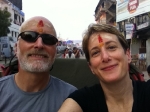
(135, 46)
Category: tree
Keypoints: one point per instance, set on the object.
(5, 22)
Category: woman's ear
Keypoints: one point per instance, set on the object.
(128, 53)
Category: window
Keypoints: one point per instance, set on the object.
(12, 33)
(6, 8)
(15, 34)
(5, 45)
(15, 16)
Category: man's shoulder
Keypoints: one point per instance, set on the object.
(5, 81)
(5, 78)
(60, 83)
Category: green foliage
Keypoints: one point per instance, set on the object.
(5, 22)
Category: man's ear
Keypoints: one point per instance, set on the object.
(89, 64)
(128, 53)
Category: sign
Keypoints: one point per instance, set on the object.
(144, 25)
(129, 27)
(126, 9)
(129, 30)
(142, 56)
(5, 46)
(129, 34)
(133, 5)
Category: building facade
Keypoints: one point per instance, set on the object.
(17, 3)
(17, 17)
(105, 12)
(133, 20)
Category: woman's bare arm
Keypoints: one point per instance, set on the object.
(70, 105)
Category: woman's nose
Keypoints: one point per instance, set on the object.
(105, 55)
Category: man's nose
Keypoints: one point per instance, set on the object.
(38, 43)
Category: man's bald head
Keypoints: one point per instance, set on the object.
(32, 25)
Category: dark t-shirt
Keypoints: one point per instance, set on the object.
(92, 99)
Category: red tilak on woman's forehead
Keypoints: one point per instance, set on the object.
(100, 41)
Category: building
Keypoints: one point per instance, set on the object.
(105, 12)
(17, 17)
(17, 3)
(132, 19)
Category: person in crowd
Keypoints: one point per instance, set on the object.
(70, 54)
(58, 46)
(148, 70)
(65, 52)
(108, 55)
(76, 52)
(81, 51)
(33, 89)
(59, 43)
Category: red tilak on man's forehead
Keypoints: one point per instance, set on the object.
(40, 24)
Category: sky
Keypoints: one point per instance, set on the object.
(69, 17)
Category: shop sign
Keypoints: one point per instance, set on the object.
(129, 27)
(126, 9)
(133, 5)
(144, 25)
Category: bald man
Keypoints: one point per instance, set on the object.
(32, 89)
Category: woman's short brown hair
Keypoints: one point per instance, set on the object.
(96, 28)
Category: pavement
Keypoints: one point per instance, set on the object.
(146, 77)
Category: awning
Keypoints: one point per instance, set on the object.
(144, 33)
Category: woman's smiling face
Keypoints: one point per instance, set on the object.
(108, 60)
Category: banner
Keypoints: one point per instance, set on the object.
(129, 30)
(131, 8)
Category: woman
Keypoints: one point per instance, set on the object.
(107, 53)
(65, 52)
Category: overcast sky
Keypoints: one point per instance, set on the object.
(69, 17)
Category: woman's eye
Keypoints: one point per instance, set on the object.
(112, 47)
(95, 53)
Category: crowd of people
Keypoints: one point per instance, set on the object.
(34, 89)
(72, 53)
(69, 51)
